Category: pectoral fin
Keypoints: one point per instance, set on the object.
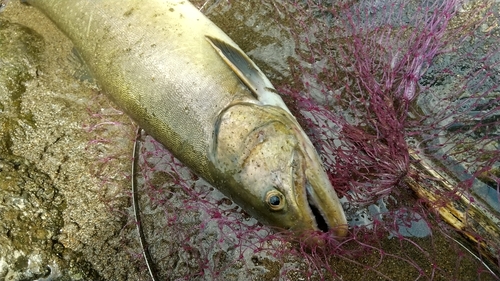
(248, 72)
(80, 69)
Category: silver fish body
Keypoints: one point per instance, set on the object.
(180, 78)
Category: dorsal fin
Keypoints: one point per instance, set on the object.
(248, 72)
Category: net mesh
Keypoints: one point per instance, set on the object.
(401, 100)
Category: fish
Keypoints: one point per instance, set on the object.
(190, 86)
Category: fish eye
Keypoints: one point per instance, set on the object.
(275, 200)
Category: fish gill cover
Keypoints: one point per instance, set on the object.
(401, 99)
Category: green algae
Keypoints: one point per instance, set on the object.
(21, 51)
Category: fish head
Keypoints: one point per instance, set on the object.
(276, 172)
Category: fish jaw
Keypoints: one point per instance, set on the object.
(324, 203)
(315, 196)
(273, 172)
(321, 196)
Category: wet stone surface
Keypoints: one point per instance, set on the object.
(30, 223)
(53, 209)
(21, 49)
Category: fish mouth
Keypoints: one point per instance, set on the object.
(319, 218)
(326, 210)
